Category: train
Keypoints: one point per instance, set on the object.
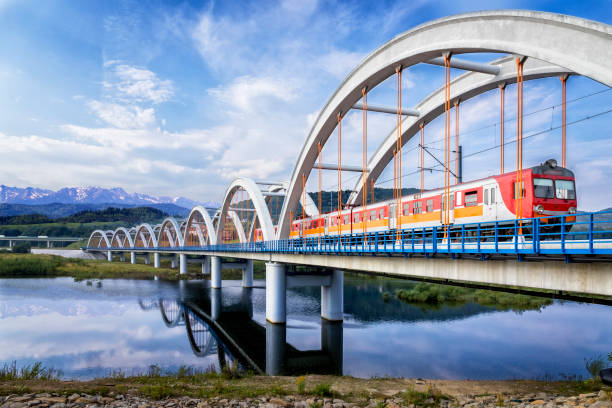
(548, 190)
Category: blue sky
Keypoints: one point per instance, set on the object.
(177, 98)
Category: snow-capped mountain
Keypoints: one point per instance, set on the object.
(85, 195)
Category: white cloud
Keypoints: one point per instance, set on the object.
(135, 84)
(247, 91)
(123, 116)
(340, 63)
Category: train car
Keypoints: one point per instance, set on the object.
(548, 191)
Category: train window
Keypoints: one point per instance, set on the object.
(382, 213)
(417, 207)
(373, 215)
(565, 189)
(493, 195)
(543, 188)
(486, 196)
(429, 205)
(516, 189)
(356, 218)
(406, 209)
(471, 199)
(346, 219)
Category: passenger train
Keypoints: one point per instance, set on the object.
(548, 192)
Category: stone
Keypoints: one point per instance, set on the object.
(538, 402)
(603, 396)
(392, 404)
(33, 402)
(202, 404)
(58, 405)
(279, 402)
(43, 395)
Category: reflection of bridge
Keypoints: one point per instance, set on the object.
(250, 225)
(230, 332)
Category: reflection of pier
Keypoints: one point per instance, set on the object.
(229, 331)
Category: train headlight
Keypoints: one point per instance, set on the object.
(539, 209)
(572, 210)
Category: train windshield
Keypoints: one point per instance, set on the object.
(543, 188)
(565, 189)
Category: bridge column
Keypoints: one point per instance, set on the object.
(276, 293)
(156, 260)
(332, 297)
(109, 256)
(147, 259)
(247, 274)
(122, 256)
(48, 244)
(10, 244)
(332, 343)
(276, 347)
(183, 264)
(174, 261)
(215, 272)
(215, 303)
(132, 257)
(206, 266)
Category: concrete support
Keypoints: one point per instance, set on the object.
(122, 256)
(156, 259)
(10, 243)
(332, 343)
(247, 274)
(109, 256)
(48, 244)
(174, 261)
(332, 297)
(147, 259)
(276, 342)
(132, 257)
(276, 293)
(206, 266)
(215, 272)
(183, 264)
(215, 303)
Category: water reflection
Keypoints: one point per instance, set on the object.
(228, 331)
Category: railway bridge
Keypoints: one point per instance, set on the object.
(520, 245)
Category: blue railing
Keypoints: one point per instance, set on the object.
(583, 233)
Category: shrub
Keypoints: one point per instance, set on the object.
(323, 390)
(301, 384)
(594, 366)
(22, 248)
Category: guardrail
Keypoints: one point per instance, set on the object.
(579, 234)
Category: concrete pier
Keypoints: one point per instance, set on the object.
(215, 272)
(276, 293)
(247, 274)
(332, 297)
(109, 256)
(132, 257)
(215, 303)
(147, 259)
(276, 347)
(156, 260)
(122, 256)
(174, 261)
(183, 264)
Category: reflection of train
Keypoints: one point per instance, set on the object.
(548, 192)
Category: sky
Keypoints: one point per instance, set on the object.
(178, 98)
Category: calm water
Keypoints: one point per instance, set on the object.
(89, 329)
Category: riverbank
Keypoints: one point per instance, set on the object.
(212, 389)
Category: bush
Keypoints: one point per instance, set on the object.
(594, 366)
(22, 248)
(323, 390)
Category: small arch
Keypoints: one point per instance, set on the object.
(121, 237)
(145, 237)
(169, 235)
(199, 228)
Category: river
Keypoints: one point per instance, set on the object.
(91, 329)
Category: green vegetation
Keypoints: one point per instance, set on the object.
(594, 365)
(81, 224)
(430, 398)
(322, 390)
(432, 294)
(36, 371)
(13, 265)
(22, 248)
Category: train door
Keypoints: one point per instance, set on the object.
(490, 202)
(326, 223)
(451, 213)
(392, 216)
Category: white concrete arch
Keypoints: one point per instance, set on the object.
(101, 237)
(462, 88)
(261, 209)
(238, 226)
(145, 235)
(579, 45)
(211, 236)
(170, 234)
(117, 241)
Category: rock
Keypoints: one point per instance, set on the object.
(589, 395)
(58, 405)
(392, 404)
(33, 402)
(538, 402)
(43, 395)
(202, 404)
(603, 396)
(279, 402)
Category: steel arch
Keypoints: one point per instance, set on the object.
(142, 232)
(102, 235)
(462, 88)
(545, 36)
(168, 223)
(261, 209)
(116, 236)
(210, 229)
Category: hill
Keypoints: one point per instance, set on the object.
(59, 210)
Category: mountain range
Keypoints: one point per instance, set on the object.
(85, 195)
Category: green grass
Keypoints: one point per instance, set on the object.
(35, 371)
(432, 294)
(430, 398)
